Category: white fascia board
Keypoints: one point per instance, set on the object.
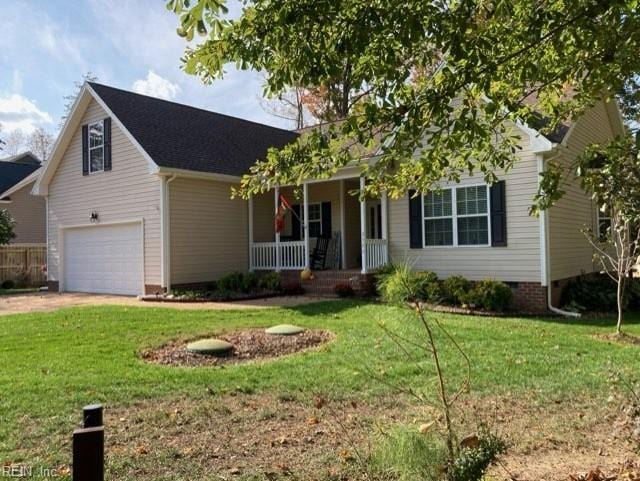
(61, 144)
(70, 125)
(192, 174)
(153, 167)
(538, 142)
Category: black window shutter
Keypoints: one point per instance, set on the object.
(85, 150)
(326, 220)
(415, 220)
(295, 222)
(498, 214)
(107, 144)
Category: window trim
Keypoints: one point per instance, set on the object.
(454, 218)
(319, 221)
(600, 215)
(89, 148)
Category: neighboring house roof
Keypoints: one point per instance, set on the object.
(23, 158)
(182, 137)
(16, 169)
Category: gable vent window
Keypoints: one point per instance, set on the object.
(96, 147)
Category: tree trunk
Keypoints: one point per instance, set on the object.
(619, 294)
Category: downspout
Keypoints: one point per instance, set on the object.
(544, 251)
(166, 232)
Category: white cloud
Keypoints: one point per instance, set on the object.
(18, 112)
(156, 86)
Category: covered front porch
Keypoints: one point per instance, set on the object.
(325, 228)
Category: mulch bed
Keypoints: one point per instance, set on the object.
(249, 345)
(213, 297)
(622, 338)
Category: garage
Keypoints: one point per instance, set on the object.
(104, 259)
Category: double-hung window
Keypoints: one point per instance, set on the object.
(438, 218)
(96, 147)
(457, 216)
(472, 215)
(315, 221)
(604, 222)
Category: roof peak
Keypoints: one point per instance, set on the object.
(193, 107)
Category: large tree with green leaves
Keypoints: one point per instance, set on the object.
(492, 57)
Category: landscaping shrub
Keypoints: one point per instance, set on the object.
(8, 284)
(343, 289)
(428, 286)
(596, 292)
(455, 289)
(471, 463)
(633, 291)
(490, 295)
(250, 282)
(270, 281)
(382, 274)
(233, 282)
(401, 285)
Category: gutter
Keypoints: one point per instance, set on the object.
(544, 249)
(165, 232)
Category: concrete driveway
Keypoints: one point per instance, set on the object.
(44, 301)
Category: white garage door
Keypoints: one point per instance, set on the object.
(104, 259)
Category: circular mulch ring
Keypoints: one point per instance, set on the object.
(248, 345)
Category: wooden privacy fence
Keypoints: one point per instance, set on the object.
(24, 263)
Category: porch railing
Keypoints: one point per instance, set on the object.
(377, 254)
(264, 255)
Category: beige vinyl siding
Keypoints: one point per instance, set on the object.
(264, 208)
(569, 251)
(127, 192)
(518, 262)
(264, 217)
(30, 215)
(209, 231)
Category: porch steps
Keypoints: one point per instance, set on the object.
(324, 282)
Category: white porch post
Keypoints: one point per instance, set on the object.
(363, 226)
(251, 263)
(383, 214)
(277, 204)
(343, 228)
(305, 208)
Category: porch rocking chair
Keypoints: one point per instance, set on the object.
(319, 254)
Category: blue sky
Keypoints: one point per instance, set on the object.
(46, 45)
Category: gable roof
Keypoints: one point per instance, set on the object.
(15, 169)
(23, 158)
(178, 136)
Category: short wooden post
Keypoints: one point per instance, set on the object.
(88, 446)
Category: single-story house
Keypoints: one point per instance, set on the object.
(138, 200)
(18, 175)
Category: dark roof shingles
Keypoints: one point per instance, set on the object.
(13, 172)
(183, 137)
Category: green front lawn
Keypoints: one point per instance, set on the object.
(54, 363)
